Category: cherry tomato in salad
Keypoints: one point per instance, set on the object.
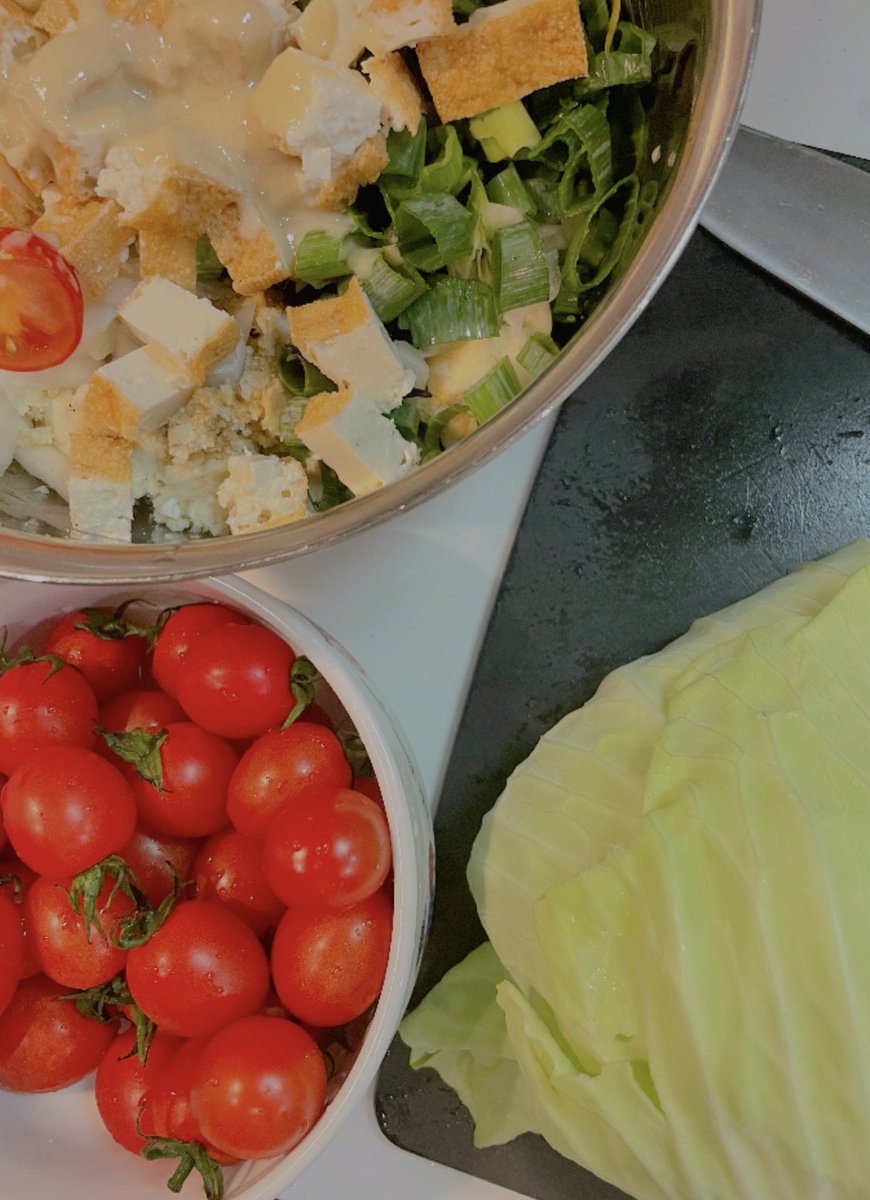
(279, 769)
(140, 708)
(94, 641)
(68, 953)
(41, 305)
(236, 681)
(19, 879)
(122, 1081)
(167, 1109)
(42, 705)
(11, 950)
(181, 629)
(45, 1042)
(189, 798)
(65, 809)
(329, 967)
(259, 1085)
(229, 869)
(202, 969)
(328, 851)
(152, 857)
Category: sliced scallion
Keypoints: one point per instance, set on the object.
(407, 153)
(492, 393)
(520, 274)
(504, 131)
(508, 188)
(300, 377)
(433, 231)
(391, 288)
(452, 310)
(537, 354)
(321, 256)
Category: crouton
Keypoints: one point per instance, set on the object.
(510, 51)
(391, 24)
(171, 255)
(157, 192)
(254, 263)
(189, 332)
(91, 235)
(362, 167)
(133, 394)
(394, 86)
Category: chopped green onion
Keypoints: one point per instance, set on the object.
(575, 281)
(320, 256)
(327, 491)
(492, 393)
(407, 418)
(407, 153)
(520, 275)
(537, 354)
(508, 188)
(452, 310)
(432, 444)
(391, 288)
(503, 132)
(208, 265)
(433, 231)
(300, 377)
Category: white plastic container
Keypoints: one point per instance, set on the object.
(55, 1145)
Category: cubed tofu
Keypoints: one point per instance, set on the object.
(168, 254)
(188, 331)
(55, 16)
(18, 208)
(346, 431)
(327, 29)
(362, 167)
(345, 338)
(46, 463)
(134, 394)
(511, 50)
(394, 86)
(254, 262)
(100, 488)
(261, 491)
(316, 110)
(392, 24)
(230, 369)
(91, 235)
(159, 192)
(74, 176)
(139, 11)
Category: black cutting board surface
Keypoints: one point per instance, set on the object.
(724, 441)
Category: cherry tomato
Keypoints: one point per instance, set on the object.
(329, 967)
(3, 838)
(41, 305)
(15, 871)
(43, 706)
(280, 768)
(141, 708)
(45, 1042)
(11, 950)
(68, 954)
(66, 808)
(152, 856)
(329, 850)
(259, 1085)
(122, 1081)
(96, 645)
(201, 970)
(181, 630)
(229, 869)
(236, 681)
(196, 770)
(167, 1108)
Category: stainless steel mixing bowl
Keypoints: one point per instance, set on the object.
(699, 92)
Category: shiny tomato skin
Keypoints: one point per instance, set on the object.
(152, 856)
(45, 1042)
(25, 878)
(167, 1108)
(11, 950)
(236, 681)
(329, 967)
(66, 953)
(328, 851)
(201, 970)
(140, 708)
(65, 809)
(279, 769)
(197, 767)
(42, 316)
(122, 1081)
(181, 629)
(110, 665)
(369, 786)
(41, 706)
(259, 1086)
(229, 870)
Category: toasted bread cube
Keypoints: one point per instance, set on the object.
(394, 86)
(488, 62)
(392, 24)
(254, 263)
(188, 332)
(362, 167)
(18, 208)
(55, 16)
(365, 449)
(262, 491)
(168, 254)
(316, 110)
(134, 394)
(346, 339)
(91, 235)
(161, 193)
(327, 30)
(100, 487)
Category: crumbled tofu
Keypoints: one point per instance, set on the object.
(139, 11)
(394, 86)
(262, 390)
(316, 110)
(362, 167)
(183, 496)
(132, 394)
(345, 338)
(327, 30)
(18, 208)
(347, 431)
(191, 332)
(272, 327)
(161, 193)
(46, 463)
(254, 263)
(100, 488)
(261, 490)
(90, 235)
(487, 63)
(74, 174)
(392, 24)
(55, 16)
(169, 254)
(215, 421)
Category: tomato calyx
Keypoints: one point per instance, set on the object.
(105, 1002)
(17, 890)
(26, 657)
(140, 926)
(113, 626)
(137, 927)
(303, 677)
(141, 748)
(192, 1156)
(355, 752)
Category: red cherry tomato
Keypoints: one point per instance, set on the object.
(236, 681)
(152, 856)
(45, 1042)
(329, 967)
(41, 706)
(259, 1086)
(11, 950)
(3, 837)
(15, 871)
(181, 630)
(167, 1108)
(201, 970)
(229, 869)
(65, 809)
(122, 1081)
(280, 768)
(141, 708)
(330, 850)
(41, 305)
(96, 645)
(68, 954)
(196, 771)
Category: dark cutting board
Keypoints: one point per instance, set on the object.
(725, 440)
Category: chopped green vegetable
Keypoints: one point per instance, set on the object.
(520, 275)
(320, 257)
(452, 310)
(434, 231)
(494, 392)
(503, 132)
